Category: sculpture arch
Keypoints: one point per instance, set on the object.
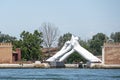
(71, 46)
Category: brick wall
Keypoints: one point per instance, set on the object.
(111, 53)
(5, 53)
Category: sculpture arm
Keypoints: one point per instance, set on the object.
(86, 54)
(66, 55)
(67, 46)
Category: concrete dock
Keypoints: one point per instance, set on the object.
(46, 65)
(42, 65)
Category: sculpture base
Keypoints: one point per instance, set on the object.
(57, 64)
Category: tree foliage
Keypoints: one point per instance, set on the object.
(6, 38)
(63, 39)
(96, 43)
(30, 45)
(75, 58)
(115, 36)
(85, 44)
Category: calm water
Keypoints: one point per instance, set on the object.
(59, 74)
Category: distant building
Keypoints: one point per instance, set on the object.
(16, 55)
(49, 52)
(7, 55)
(111, 54)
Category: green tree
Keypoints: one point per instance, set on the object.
(75, 58)
(96, 43)
(63, 39)
(6, 38)
(30, 45)
(85, 44)
(115, 36)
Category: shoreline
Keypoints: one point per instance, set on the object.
(46, 65)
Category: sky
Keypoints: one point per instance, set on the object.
(83, 18)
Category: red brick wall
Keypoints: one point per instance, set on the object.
(112, 53)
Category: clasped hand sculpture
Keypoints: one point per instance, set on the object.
(71, 46)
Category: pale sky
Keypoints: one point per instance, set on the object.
(82, 18)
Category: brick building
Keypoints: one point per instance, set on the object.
(111, 54)
(16, 55)
(48, 53)
(7, 55)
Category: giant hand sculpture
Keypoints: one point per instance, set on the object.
(65, 48)
(71, 46)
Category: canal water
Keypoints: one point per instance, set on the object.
(60, 74)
